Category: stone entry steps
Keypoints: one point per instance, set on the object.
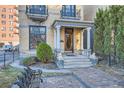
(76, 61)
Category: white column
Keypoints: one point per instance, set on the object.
(82, 40)
(88, 37)
(58, 36)
(54, 39)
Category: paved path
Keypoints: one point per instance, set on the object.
(83, 78)
(65, 81)
(93, 77)
(79, 78)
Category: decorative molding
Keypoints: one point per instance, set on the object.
(73, 23)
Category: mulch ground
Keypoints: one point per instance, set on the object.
(49, 65)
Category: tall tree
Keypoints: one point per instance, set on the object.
(114, 20)
(109, 31)
(99, 29)
(120, 34)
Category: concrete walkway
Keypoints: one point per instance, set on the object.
(88, 77)
(96, 78)
(82, 78)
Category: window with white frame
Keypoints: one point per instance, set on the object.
(10, 28)
(3, 28)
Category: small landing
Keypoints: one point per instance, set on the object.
(70, 54)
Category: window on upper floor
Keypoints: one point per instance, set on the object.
(3, 35)
(37, 9)
(10, 28)
(3, 16)
(68, 10)
(3, 9)
(10, 16)
(10, 10)
(3, 22)
(3, 28)
(11, 23)
(10, 35)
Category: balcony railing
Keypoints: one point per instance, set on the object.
(37, 13)
(70, 15)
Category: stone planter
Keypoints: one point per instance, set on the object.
(94, 61)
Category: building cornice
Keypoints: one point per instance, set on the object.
(73, 23)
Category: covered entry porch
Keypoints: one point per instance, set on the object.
(73, 36)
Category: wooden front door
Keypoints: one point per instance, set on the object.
(69, 40)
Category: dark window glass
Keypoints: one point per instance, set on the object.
(10, 35)
(10, 16)
(37, 35)
(69, 10)
(3, 16)
(3, 35)
(11, 23)
(37, 9)
(4, 10)
(3, 22)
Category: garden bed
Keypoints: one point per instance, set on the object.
(49, 65)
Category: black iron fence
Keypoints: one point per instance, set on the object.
(8, 57)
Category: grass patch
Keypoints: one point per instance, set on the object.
(8, 76)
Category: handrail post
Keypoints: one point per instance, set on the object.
(13, 56)
(4, 60)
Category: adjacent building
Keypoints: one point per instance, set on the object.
(67, 28)
(9, 27)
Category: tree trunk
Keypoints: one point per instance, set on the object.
(114, 59)
(109, 59)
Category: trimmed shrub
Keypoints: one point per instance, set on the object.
(44, 52)
(29, 61)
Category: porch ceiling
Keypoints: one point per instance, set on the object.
(72, 23)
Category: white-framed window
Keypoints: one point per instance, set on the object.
(10, 28)
(3, 16)
(3, 9)
(11, 23)
(3, 28)
(10, 10)
(3, 22)
(10, 16)
(10, 35)
(3, 35)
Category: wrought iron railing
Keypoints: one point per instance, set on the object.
(70, 15)
(42, 10)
